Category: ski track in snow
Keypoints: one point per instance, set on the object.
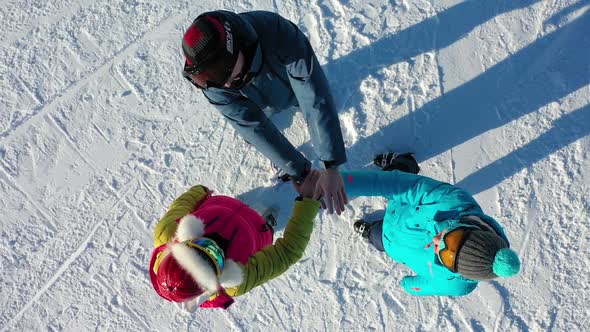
(61, 129)
(274, 308)
(71, 89)
(46, 19)
(129, 311)
(79, 250)
(354, 289)
(50, 224)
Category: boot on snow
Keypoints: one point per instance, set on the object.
(362, 228)
(270, 216)
(279, 175)
(390, 161)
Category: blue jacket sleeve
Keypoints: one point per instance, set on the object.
(421, 286)
(405, 187)
(255, 127)
(312, 91)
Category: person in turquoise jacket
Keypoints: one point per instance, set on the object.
(438, 230)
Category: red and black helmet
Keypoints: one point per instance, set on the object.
(210, 50)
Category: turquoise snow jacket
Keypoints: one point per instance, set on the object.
(286, 74)
(419, 208)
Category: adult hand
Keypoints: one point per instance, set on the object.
(307, 187)
(330, 188)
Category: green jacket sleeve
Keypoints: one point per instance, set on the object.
(181, 206)
(274, 260)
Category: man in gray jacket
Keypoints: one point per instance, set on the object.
(249, 63)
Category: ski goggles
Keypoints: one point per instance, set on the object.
(449, 245)
(211, 250)
(211, 74)
(451, 240)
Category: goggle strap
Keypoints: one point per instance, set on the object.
(211, 250)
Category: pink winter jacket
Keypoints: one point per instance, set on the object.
(236, 222)
(251, 258)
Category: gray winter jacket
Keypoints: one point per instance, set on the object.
(285, 73)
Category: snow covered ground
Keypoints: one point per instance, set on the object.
(99, 133)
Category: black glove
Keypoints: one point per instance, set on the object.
(404, 162)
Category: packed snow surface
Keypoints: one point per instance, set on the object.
(99, 133)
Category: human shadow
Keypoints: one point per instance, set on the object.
(346, 73)
(564, 13)
(565, 130)
(542, 72)
(280, 196)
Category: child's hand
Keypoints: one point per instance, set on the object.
(206, 190)
(307, 187)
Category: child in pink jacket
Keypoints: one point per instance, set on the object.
(210, 249)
